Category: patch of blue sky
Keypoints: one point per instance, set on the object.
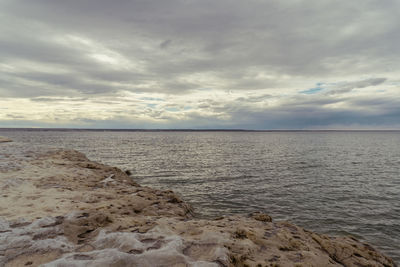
(172, 109)
(175, 109)
(394, 83)
(314, 90)
(151, 105)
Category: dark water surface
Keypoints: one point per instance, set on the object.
(329, 182)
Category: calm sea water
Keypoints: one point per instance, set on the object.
(329, 182)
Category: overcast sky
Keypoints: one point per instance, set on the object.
(276, 64)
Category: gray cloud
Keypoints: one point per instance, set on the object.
(265, 51)
(56, 99)
(254, 98)
(380, 112)
(348, 86)
(369, 82)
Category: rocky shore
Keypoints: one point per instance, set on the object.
(58, 208)
(4, 139)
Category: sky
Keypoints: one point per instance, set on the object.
(200, 64)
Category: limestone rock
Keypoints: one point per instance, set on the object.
(4, 139)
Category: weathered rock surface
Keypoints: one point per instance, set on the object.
(60, 209)
(4, 139)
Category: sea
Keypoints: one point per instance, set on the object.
(332, 182)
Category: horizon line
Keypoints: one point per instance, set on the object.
(196, 130)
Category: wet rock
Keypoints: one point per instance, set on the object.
(261, 217)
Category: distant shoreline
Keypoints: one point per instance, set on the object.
(185, 130)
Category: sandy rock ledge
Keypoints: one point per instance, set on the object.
(4, 139)
(60, 209)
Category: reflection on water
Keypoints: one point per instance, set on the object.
(329, 182)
